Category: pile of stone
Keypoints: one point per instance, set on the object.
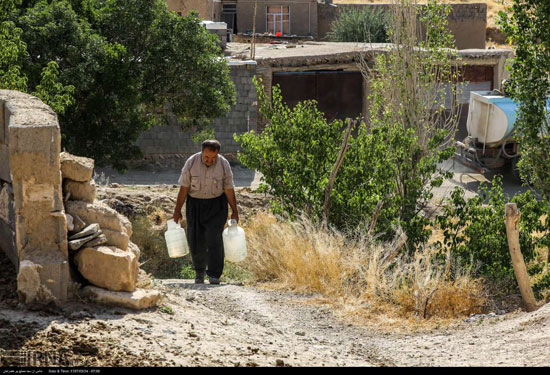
(99, 240)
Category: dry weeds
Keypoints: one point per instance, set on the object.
(360, 276)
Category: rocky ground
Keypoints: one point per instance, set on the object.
(245, 325)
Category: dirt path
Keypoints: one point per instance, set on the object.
(234, 325)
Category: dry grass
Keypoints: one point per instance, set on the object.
(360, 276)
(493, 6)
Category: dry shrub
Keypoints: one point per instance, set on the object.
(297, 254)
(148, 234)
(354, 269)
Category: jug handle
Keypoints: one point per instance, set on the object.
(231, 222)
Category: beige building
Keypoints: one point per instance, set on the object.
(278, 17)
(208, 9)
(312, 18)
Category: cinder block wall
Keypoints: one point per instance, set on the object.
(33, 227)
(171, 140)
(467, 22)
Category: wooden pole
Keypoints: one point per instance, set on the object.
(520, 270)
(253, 42)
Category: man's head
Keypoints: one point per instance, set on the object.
(210, 150)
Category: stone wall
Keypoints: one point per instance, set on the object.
(170, 140)
(32, 222)
(467, 22)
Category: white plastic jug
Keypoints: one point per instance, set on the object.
(176, 242)
(234, 242)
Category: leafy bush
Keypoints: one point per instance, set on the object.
(391, 162)
(476, 232)
(364, 25)
(295, 153)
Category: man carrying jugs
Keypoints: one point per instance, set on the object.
(206, 188)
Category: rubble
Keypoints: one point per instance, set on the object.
(138, 299)
(80, 191)
(76, 168)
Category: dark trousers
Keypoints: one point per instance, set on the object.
(205, 221)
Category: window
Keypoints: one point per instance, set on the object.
(278, 19)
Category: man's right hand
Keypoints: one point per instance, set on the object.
(177, 216)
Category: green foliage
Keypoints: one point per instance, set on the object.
(475, 231)
(129, 63)
(13, 56)
(409, 123)
(393, 159)
(51, 91)
(364, 25)
(202, 135)
(527, 27)
(295, 153)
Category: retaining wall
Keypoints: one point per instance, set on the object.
(33, 227)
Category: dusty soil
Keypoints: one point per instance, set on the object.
(235, 325)
(245, 325)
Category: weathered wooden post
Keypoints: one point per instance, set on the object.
(520, 270)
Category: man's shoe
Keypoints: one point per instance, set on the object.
(214, 280)
(199, 278)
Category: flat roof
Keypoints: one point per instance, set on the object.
(291, 52)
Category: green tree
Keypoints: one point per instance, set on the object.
(12, 50)
(527, 27)
(365, 25)
(392, 161)
(13, 55)
(131, 64)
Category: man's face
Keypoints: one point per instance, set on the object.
(209, 157)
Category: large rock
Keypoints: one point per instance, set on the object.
(134, 249)
(137, 300)
(76, 168)
(117, 239)
(28, 281)
(80, 191)
(108, 267)
(99, 213)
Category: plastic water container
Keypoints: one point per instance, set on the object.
(176, 242)
(234, 242)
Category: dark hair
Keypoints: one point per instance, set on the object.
(211, 144)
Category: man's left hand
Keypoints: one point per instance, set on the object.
(235, 216)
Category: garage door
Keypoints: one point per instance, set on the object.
(339, 93)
